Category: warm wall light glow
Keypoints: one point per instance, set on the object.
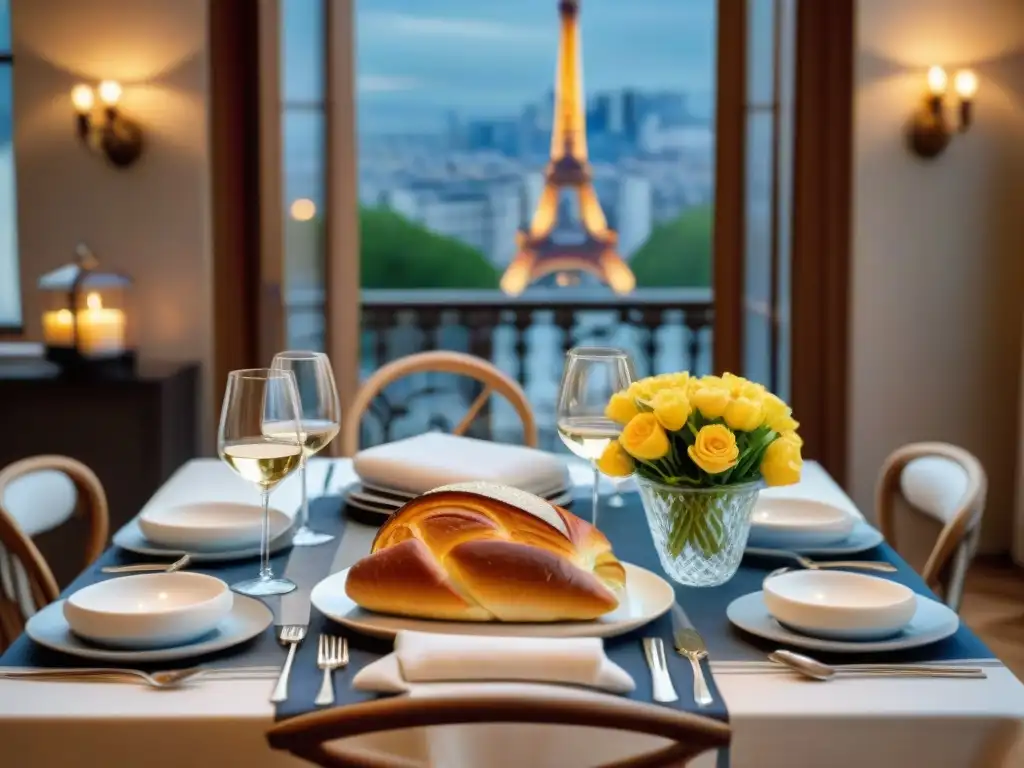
(937, 81)
(82, 98)
(93, 301)
(966, 84)
(110, 92)
(303, 209)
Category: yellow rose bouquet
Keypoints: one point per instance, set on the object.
(700, 448)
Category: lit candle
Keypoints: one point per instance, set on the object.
(59, 328)
(100, 331)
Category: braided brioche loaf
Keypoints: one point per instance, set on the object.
(485, 552)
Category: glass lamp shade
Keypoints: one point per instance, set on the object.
(86, 312)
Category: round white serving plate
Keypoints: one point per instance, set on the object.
(246, 619)
(931, 623)
(210, 526)
(647, 597)
(862, 538)
(148, 610)
(795, 523)
(131, 538)
(839, 605)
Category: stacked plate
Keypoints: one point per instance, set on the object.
(809, 527)
(831, 610)
(392, 474)
(149, 618)
(842, 612)
(211, 531)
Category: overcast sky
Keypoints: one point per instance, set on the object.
(418, 58)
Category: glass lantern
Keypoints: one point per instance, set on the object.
(85, 314)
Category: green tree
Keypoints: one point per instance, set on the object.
(678, 252)
(398, 253)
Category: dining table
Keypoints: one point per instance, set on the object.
(777, 718)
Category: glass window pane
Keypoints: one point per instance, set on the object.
(303, 143)
(757, 295)
(302, 51)
(5, 26)
(452, 187)
(10, 290)
(760, 51)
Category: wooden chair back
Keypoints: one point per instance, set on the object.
(309, 736)
(457, 363)
(26, 580)
(959, 518)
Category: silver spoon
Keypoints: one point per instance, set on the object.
(817, 670)
(814, 565)
(177, 565)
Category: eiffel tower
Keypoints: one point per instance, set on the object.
(541, 251)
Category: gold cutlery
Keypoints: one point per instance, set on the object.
(177, 565)
(690, 645)
(291, 635)
(332, 654)
(661, 683)
(817, 670)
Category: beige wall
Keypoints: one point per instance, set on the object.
(938, 246)
(150, 220)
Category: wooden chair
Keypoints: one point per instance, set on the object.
(933, 492)
(308, 736)
(440, 362)
(30, 503)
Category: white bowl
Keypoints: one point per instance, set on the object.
(210, 526)
(839, 605)
(152, 610)
(794, 523)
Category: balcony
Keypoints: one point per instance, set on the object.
(525, 336)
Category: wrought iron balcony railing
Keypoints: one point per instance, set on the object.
(526, 336)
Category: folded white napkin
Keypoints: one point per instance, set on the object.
(418, 464)
(421, 657)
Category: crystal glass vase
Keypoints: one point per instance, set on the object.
(699, 533)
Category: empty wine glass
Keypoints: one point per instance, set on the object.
(591, 376)
(253, 399)
(320, 416)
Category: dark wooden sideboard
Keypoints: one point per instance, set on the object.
(133, 429)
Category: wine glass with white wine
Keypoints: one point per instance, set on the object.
(253, 399)
(591, 376)
(320, 415)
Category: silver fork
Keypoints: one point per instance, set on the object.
(291, 635)
(177, 565)
(332, 653)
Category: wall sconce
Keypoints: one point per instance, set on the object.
(113, 134)
(930, 131)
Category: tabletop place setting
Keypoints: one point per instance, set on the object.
(445, 560)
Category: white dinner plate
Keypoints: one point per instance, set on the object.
(647, 597)
(247, 619)
(796, 523)
(210, 526)
(131, 538)
(932, 621)
(369, 499)
(863, 537)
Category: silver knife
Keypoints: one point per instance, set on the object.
(690, 645)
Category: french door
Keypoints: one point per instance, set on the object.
(781, 200)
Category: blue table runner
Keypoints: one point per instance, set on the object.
(625, 526)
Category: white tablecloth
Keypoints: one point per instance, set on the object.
(777, 720)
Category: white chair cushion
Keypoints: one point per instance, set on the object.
(40, 501)
(935, 485)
